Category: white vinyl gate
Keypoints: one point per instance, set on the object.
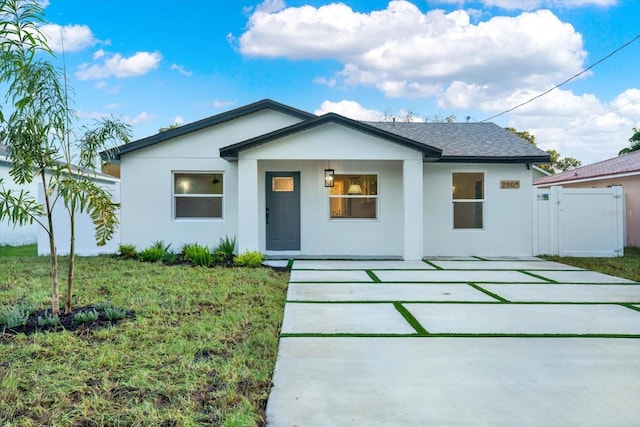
(581, 222)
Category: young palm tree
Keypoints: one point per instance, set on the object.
(39, 134)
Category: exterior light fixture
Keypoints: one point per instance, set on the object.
(328, 177)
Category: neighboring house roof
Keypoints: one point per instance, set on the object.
(445, 142)
(93, 175)
(204, 123)
(469, 142)
(231, 152)
(627, 164)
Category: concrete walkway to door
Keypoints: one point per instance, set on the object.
(456, 341)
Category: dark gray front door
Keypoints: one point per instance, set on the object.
(283, 211)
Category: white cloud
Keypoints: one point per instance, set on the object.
(179, 120)
(222, 104)
(181, 70)
(406, 53)
(350, 109)
(70, 38)
(355, 111)
(118, 66)
(580, 126)
(139, 118)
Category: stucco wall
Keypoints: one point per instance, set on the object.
(20, 235)
(507, 213)
(631, 188)
(146, 189)
(147, 205)
(324, 236)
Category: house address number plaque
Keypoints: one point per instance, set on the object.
(512, 184)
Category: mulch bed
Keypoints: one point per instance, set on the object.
(66, 323)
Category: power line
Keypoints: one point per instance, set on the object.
(566, 81)
(633, 101)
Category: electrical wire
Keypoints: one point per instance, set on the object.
(566, 81)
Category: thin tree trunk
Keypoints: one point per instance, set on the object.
(72, 262)
(55, 298)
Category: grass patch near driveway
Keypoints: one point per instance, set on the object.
(201, 350)
(627, 266)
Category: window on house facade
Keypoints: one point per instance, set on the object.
(468, 200)
(354, 196)
(198, 195)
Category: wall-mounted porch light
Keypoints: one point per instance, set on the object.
(328, 177)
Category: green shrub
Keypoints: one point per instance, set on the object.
(85, 316)
(48, 320)
(13, 316)
(154, 253)
(224, 251)
(249, 259)
(102, 306)
(198, 255)
(171, 257)
(114, 313)
(127, 251)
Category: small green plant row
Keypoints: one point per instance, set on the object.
(18, 315)
(193, 253)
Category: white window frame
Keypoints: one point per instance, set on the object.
(356, 196)
(482, 201)
(175, 196)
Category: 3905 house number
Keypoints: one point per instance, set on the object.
(510, 184)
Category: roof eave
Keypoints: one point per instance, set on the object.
(204, 123)
(231, 152)
(496, 159)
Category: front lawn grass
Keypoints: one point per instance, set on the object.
(201, 350)
(26, 250)
(627, 266)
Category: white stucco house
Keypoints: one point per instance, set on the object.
(32, 233)
(18, 235)
(289, 183)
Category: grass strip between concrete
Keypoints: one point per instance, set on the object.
(437, 267)
(537, 276)
(373, 276)
(455, 335)
(410, 318)
(486, 292)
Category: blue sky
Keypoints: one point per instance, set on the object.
(153, 64)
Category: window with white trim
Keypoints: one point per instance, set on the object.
(467, 191)
(198, 195)
(354, 196)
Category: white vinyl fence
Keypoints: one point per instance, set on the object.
(85, 231)
(581, 222)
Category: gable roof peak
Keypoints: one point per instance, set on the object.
(263, 104)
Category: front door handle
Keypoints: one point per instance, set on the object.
(267, 215)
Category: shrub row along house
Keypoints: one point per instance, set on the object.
(287, 182)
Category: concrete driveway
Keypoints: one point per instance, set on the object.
(457, 342)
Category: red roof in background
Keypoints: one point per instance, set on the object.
(628, 163)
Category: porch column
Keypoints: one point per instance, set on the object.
(413, 194)
(248, 230)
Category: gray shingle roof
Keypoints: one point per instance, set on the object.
(446, 142)
(468, 141)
